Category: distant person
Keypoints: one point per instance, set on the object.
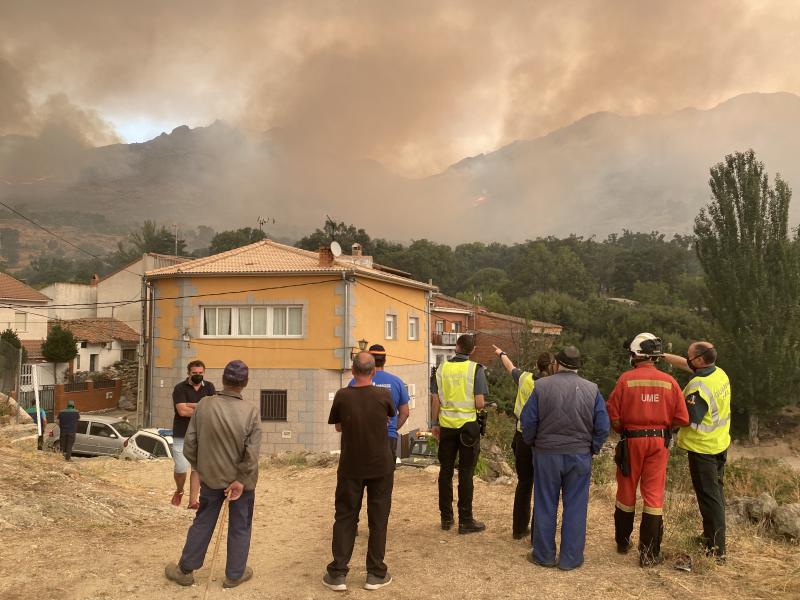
(361, 412)
(42, 420)
(396, 387)
(68, 427)
(707, 437)
(457, 394)
(185, 397)
(222, 445)
(523, 453)
(566, 422)
(644, 407)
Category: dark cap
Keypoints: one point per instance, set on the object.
(235, 373)
(377, 350)
(569, 357)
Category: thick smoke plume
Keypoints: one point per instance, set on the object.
(413, 86)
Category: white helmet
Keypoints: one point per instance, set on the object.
(646, 345)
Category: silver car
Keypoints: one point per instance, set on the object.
(97, 435)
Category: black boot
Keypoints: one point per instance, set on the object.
(650, 533)
(623, 527)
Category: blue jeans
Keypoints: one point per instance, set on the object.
(564, 476)
(240, 524)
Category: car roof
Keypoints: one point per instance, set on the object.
(102, 419)
(154, 431)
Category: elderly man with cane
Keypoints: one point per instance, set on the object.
(222, 445)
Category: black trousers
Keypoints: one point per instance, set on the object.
(240, 525)
(707, 472)
(67, 440)
(349, 495)
(450, 446)
(523, 461)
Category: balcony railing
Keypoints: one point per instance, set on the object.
(445, 338)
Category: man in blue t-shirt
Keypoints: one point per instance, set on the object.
(398, 390)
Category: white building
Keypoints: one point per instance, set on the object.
(22, 309)
(116, 296)
(101, 342)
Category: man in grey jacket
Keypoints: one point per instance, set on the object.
(222, 444)
(566, 422)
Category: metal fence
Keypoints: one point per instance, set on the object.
(103, 384)
(47, 400)
(76, 386)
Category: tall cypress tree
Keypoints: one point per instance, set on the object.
(751, 271)
(59, 347)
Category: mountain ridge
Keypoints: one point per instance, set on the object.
(600, 174)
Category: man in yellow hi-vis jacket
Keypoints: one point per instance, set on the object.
(457, 394)
(706, 439)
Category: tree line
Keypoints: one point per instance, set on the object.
(734, 281)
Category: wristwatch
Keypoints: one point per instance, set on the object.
(502, 354)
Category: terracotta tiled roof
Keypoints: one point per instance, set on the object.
(484, 311)
(271, 258)
(34, 350)
(13, 289)
(99, 330)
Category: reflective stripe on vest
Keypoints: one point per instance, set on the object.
(712, 435)
(456, 383)
(524, 391)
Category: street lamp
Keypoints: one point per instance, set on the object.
(362, 345)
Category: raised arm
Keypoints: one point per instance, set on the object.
(507, 364)
(679, 362)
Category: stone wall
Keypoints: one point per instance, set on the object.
(309, 396)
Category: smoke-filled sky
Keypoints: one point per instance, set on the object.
(416, 85)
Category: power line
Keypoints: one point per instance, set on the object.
(63, 239)
(119, 303)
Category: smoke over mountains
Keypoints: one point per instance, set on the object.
(600, 174)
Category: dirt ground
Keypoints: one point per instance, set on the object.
(104, 529)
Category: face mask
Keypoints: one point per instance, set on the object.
(196, 379)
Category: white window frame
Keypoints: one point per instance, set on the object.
(20, 321)
(270, 308)
(390, 327)
(439, 326)
(413, 335)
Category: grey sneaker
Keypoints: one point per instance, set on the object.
(375, 583)
(337, 583)
(232, 583)
(174, 573)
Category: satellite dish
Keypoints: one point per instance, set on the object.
(336, 249)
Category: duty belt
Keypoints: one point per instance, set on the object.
(639, 433)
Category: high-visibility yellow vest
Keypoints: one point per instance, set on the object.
(524, 391)
(456, 382)
(712, 436)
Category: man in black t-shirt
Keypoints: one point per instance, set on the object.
(185, 397)
(361, 413)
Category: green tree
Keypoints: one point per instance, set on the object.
(59, 347)
(751, 271)
(228, 240)
(331, 231)
(150, 237)
(10, 346)
(9, 245)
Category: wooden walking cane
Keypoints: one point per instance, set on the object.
(221, 526)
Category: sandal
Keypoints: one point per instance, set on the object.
(193, 505)
(177, 497)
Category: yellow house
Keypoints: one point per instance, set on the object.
(294, 317)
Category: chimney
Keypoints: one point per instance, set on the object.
(325, 257)
(95, 279)
(356, 249)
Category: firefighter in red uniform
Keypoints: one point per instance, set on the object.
(644, 407)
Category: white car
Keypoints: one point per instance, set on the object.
(148, 443)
